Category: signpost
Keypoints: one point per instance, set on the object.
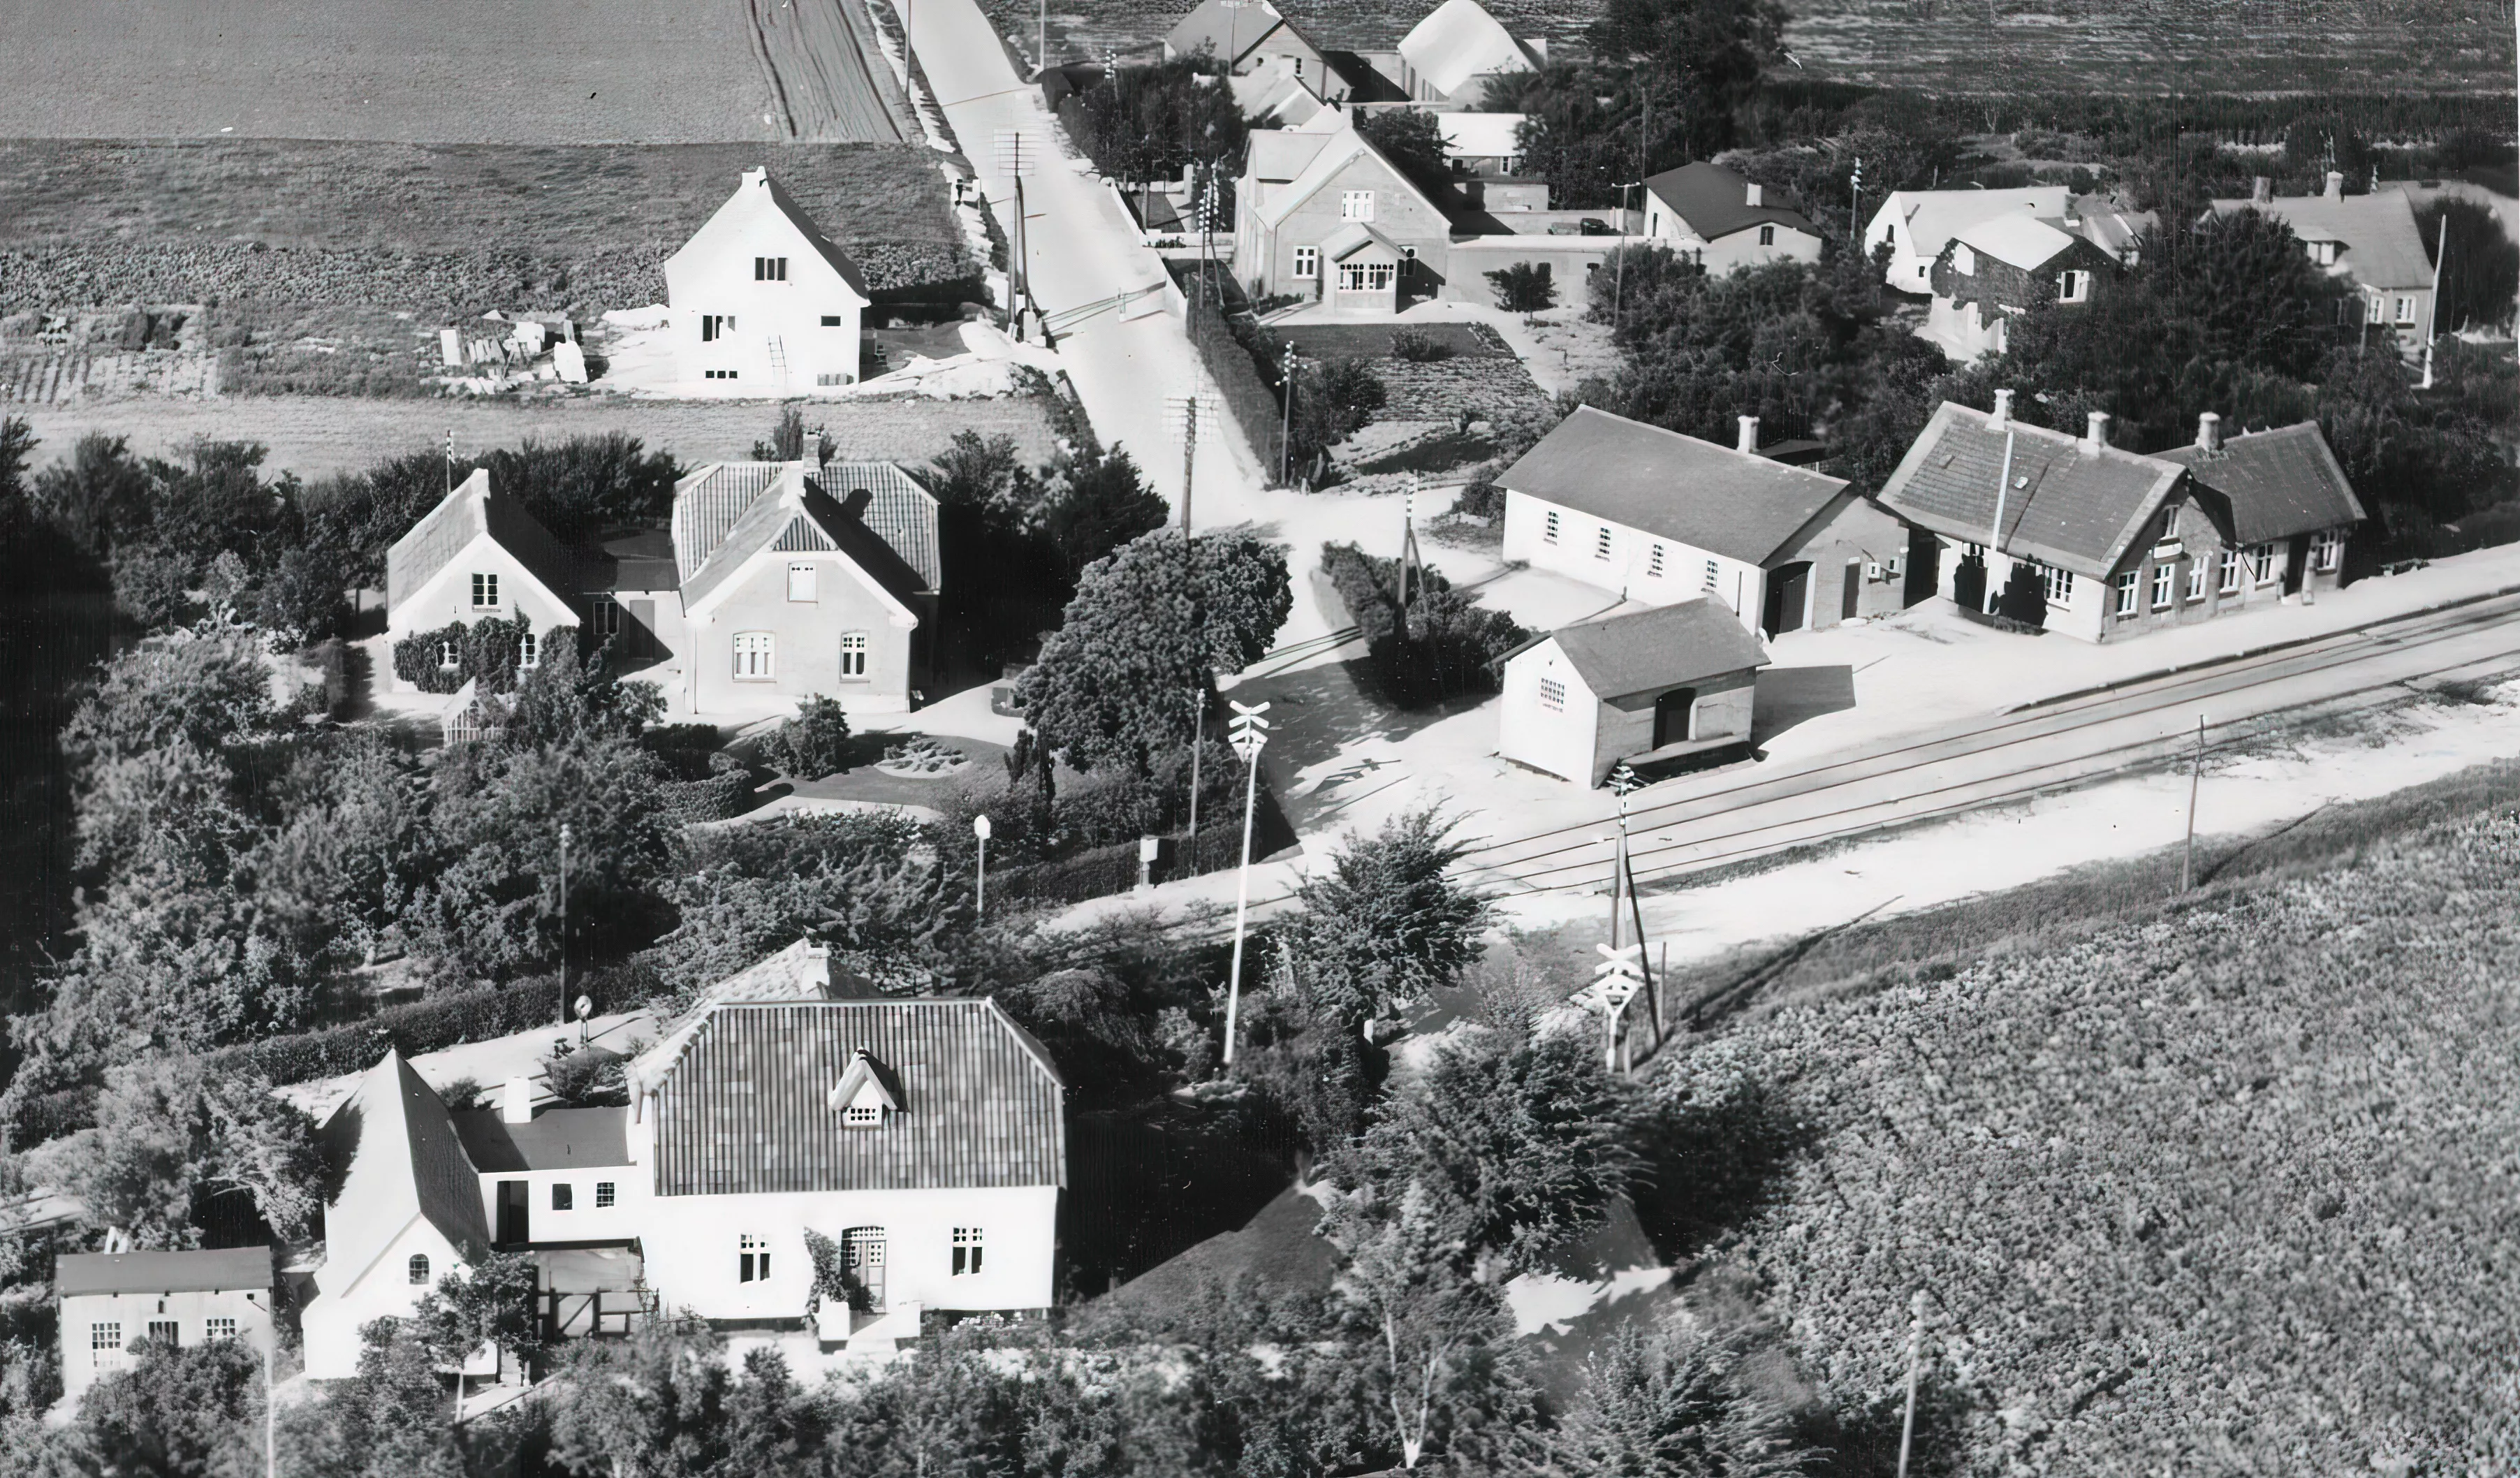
(1250, 735)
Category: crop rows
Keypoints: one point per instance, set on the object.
(2242, 1182)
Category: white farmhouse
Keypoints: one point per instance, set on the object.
(925, 1138)
(763, 303)
(110, 1301)
(1917, 224)
(478, 556)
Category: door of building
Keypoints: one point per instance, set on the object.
(1672, 713)
(1788, 597)
(516, 1200)
(1853, 604)
(2296, 560)
(862, 1255)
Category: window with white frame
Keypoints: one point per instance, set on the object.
(1714, 574)
(602, 1194)
(1767, 236)
(716, 326)
(752, 651)
(604, 615)
(1549, 527)
(2326, 551)
(770, 269)
(1601, 543)
(853, 655)
(2321, 253)
(2163, 578)
(1356, 205)
(2058, 584)
(416, 1272)
(2196, 579)
(2073, 286)
(2373, 309)
(219, 1328)
(485, 591)
(104, 1339)
(2127, 594)
(2405, 310)
(1308, 263)
(1553, 694)
(529, 650)
(1367, 277)
(968, 1247)
(800, 580)
(449, 656)
(2230, 570)
(1653, 563)
(751, 1258)
(2262, 562)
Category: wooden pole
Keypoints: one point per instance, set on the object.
(1916, 1343)
(1637, 916)
(2195, 771)
(1197, 637)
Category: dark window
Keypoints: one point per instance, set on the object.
(604, 1192)
(833, 320)
(770, 269)
(752, 1259)
(417, 1269)
(564, 1199)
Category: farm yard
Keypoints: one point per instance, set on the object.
(586, 72)
(2234, 1183)
(327, 267)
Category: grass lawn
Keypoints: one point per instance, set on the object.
(2227, 1175)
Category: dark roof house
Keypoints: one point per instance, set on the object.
(2271, 484)
(1736, 503)
(2076, 503)
(1715, 202)
(1649, 651)
(195, 1271)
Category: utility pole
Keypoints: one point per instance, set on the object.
(1285, 410)
(450, 459)
(1916, 1350)
(564, 929)
(1250, 735)
(270, 1425)
(1619, 273)
(1015, 165)
(1041, 39)
(2432, 309)
(1855, 227)
(2195, 771)
(1623, 782)
(980, 867)
(1189, 409)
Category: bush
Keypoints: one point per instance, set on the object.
(151, 583)
(1247, 397)
(721, 795)
(1418, 346)
(446, 1019)
(1523, 288)
(1442, 646)
(1481, 498)
(812, 744)
(488, 653)
(686, 749)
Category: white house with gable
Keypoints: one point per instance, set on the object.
(478, 556)
(762, 302)
(108, 1302)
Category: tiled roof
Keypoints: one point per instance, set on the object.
(900, 512)
(706, 504)
(1337, 151)
(1715, 202)
(1662, 648)
(476, 508)
(2383, 249)
(803, 972)
(1694, 492)
(2278, 482)
(400, 1156)
(173, 1272)
(728, 512)
(2067, 507)
(746, 1107)
(558, 1138)
(1457, 43)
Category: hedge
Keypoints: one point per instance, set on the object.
(721, 795)
(1444, 646)
(486, 650)
(1103, 872)
(1247, 397)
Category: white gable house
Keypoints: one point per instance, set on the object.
(478, 556)
(763, 303)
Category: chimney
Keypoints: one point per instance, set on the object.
(1750, 441)
(516, 1101)
(1752, 194)
(757, 175)
(2335, 184)
(2261, 190)
(2003, 408)
(2095, 433)
(2209, 432)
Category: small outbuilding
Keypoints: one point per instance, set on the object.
(110, 1301)
(1670, 685)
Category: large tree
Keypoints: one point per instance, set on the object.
(1151, 626)
(1660, 1403)
(1384, 925)
(391, 1419)
(172, 1137)
(187, 1412)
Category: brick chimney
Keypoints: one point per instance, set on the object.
(2261, 190)
(2209, 432)
(2003, 408)
(1749, 437)
(2335, 184)
(2095, 433)
(1753, 195)
(516, 1101)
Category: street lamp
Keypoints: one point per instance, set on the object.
(563, 933)
(1249, 735)
(980, 870)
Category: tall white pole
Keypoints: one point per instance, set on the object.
(1250, 735)
(980, 866)
(1916, 1343)
(564, 936)
(270, 1423)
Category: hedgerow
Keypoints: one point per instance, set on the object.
(1442, 644)
(2242, 1180)
(487, 652)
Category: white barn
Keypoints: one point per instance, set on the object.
(110, 1301)
(1674, 686)
(762, 302)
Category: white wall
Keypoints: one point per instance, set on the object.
(586, 1222)
(446, 597)
(1629, 571)
(1528, 733)
(331, 1322)
(693, 1244)
(806, 638)
(82, 1364)
(788, 314)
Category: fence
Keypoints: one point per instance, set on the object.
(1104, 872)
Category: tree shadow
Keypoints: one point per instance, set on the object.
(1791, 696)
(1710, 1164)
(1317, 714)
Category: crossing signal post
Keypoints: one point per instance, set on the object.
(1615, 983)
(1249, 735)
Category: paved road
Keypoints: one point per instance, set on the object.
(1726, 819)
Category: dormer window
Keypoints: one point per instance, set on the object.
(2323, 252)
(2073, 286)
(861, 1097)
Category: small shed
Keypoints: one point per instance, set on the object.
(110, 1301)
(1673, 685)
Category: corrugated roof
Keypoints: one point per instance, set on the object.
(2066, 507)
(2021, 240)
(558, 1138)
(706, 504)
(1715, 202)
(1666, 646)
(2383, 249)
(746, 1108)
(1930, 218)
(401, 1158)
(476, 508)
(1729, 502)
(2278, 482)
(900, 511)
(1457, 43)
(199, 1271)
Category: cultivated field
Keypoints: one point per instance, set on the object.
(1947, 46)
(314, 437)
(644, 71)
(2232, 1191)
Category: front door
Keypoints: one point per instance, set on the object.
(862, 1255)
(1672, 713)
(1853, 604)
(515, 1199)
(2296, 560)
(1788, 594)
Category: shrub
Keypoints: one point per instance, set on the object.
(716, 798)
(685, 749)
(1418, 346)
(1481, 498)
(149, 584)
(812, 744)
(488, 653)
(1523, 288)
(1441, 646)
(446, 1019)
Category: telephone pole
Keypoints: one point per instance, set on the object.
(564, 929)
(1189, 411)
(2195, 771)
